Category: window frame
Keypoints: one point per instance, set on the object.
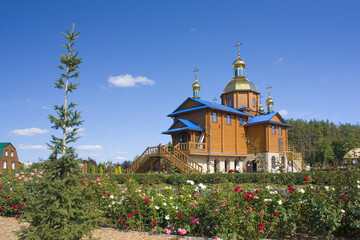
(13, 165)
(228, 119)
(280, 130)
(214, 117)
(12, 154)
(273, 130)
(6, 153)
(241, 120)
(5, 164)
(254, 102)
(273, 162)
(230, 102)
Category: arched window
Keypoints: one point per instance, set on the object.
(216, 163)
(228, 119)
(227, 165)
(283, 161)
(5, 165)
(254, 105)
(273, 162)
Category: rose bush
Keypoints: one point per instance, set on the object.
(319, 207)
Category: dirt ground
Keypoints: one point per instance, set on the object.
(9, 225)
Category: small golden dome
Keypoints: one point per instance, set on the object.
(261, 108)
(269, 101)
(196, 85)
(238, 63)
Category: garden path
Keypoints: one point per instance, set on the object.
(9, 225)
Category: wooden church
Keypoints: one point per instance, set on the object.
(236, 135)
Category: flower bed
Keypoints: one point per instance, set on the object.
(314, 208)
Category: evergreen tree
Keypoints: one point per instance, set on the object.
(60, 205)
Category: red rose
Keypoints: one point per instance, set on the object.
(344, 214)
(260, 228)
(127, 225)
(121, 220)
(236, 189)
(256, 191)
(247, 197)
(128, 216)
(180, 214)
(252, 198)
(262, 224)
(154, 223)
(275, 214)
(342, 197)
(134, 212)
(306, 179)
(147, 200)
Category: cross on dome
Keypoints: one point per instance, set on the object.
(238, 46)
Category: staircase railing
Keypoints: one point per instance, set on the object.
(178, 163)
(139, 160)
(186, 159)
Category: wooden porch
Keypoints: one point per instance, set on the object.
(163, 156)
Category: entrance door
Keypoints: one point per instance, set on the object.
(249, 166)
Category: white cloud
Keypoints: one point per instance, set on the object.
(128, 80)
(279, 60)
(121, 158)
(32, 147)
(121, 152)
(284, 113)
(28, 132)
(90, 148)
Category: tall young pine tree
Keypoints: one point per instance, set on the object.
(60, 205)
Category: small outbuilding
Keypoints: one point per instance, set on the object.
(352, 156)
(8, 159)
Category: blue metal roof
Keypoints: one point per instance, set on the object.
(189, 125)
(207, 104)
(265, 118)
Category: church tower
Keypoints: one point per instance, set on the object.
(240, 92)
(196, 86)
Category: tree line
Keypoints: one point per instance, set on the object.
(323, 142)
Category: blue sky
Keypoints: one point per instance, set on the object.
(138, 61)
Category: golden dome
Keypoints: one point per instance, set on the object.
(261, 108)
(196, 85)
(269, 101)
(240, 84)
(239, 61)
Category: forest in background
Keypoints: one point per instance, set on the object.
(323, 142)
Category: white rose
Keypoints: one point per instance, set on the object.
(157, 207)
(280, 202)
(167, 217)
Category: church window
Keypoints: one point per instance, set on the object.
(5, 165)
(230, 102)
(216, 163)
(280, 131)
(241, 121)
(281, 145)
(273, 162)
(214, 117)
(13, 165)
(273, 130)
(254, 102)
(228, 119)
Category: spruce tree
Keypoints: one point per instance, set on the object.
(60, 205)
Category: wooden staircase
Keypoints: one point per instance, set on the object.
(296, 158)
(174, 157)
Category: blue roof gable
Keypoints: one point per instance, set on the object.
(189, 125)
(207, 104)
(265, 118)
